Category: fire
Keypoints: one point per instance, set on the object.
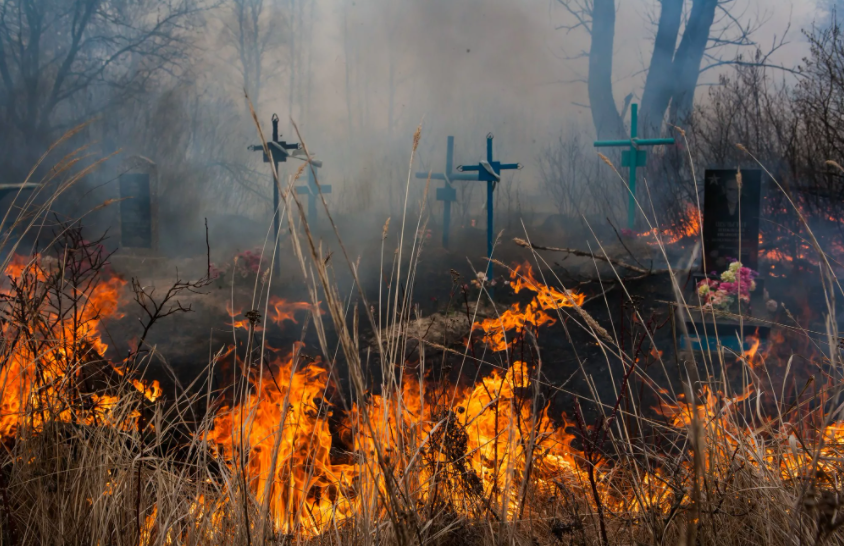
(709, 407)
(281, 311)
(279, 434)
(286, 310)
(687, 226)
(750, 354)
(547, 297)
(241, 324)
(474, 441)
(47, 350)
(471, 450)
(515, 319)
(151, 392)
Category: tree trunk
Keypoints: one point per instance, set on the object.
(605, 116)
(689, 56)
(294, 64)
(659, 85)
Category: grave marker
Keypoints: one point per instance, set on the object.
(730, 219)
(138, 187)
(633, 158)
(279, 152)
(489, 171)
(447, 194)
(312, 191)
(730, 211)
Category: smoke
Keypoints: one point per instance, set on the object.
(358, 76)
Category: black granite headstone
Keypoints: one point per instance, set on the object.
(731, 219)
(135, 211)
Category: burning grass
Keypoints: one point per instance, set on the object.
(730, 449)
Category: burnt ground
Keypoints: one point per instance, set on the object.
(184, 342)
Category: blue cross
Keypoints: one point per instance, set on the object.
(489, 171)
(447, 194)
(312, 191)
(278, 151)
(634, 157)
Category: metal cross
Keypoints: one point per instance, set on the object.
(447, 194)
(634, 157)
(489, 171)
(279, 152)
(313, 191)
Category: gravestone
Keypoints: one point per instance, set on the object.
(731, 210)
(138, 186)
(731, 219)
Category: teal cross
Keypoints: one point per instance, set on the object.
(634, 157)
(489, 171)
(447, 194)
(312, 191)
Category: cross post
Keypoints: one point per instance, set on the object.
(634, 157)
(489, 171)
(279, 152)
(447, 194)
(312, 191)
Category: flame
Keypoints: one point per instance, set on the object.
(688, 225)
(285, 310)
(475, 444)
(547, 297)
(710, 406)
(515, 319)
(468, 449)
(302, 487)
(242, 324)
(44, 356)
(512, 319)
(750, 354)
(281, 311)
(151, 392)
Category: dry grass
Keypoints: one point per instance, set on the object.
(91, 460)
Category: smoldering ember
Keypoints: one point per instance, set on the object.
(403, 272)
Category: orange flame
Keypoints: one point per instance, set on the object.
(285, 415)
(286, 310)
(515, 319)
(512, 319)
(687, 226)
(40, 359)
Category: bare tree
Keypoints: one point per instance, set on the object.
(570, 176)
(710, 32)
(256, 29)
(63, 61)
(819, 104)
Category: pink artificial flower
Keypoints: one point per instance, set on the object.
(728, 287)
